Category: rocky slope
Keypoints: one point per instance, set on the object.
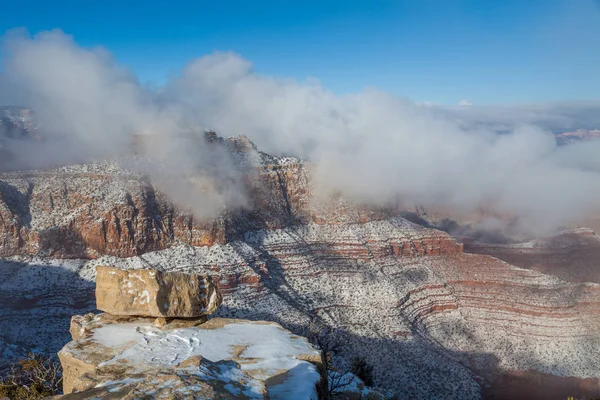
(434, 321)
(93, 211)
(432, 325)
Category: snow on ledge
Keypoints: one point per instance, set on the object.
(264, 350)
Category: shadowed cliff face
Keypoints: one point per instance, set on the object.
(38, 300)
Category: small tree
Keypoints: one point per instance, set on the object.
(326, 338)
(363, 370)
(32, 378)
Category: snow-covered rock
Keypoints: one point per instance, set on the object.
(429, 324)
(222, 358)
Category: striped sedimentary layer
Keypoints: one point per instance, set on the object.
(572, 255)
(429, 318)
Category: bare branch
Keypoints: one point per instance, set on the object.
(34, 377)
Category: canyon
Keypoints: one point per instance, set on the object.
(436, 317)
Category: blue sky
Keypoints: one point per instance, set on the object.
(442, 51)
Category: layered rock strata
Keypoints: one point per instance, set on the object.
(432, 320)
(431, 323)
(99, 209)
(572, 255)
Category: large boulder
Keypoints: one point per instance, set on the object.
(127, 357)
(152, 293)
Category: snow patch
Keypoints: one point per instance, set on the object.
(262, 350)
(117, 335)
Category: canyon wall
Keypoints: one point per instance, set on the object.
(432, 320)
(90, 210)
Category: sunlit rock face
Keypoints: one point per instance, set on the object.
(154, 293)
(86, 211)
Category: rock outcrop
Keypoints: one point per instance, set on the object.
(154, 293)
(137, 356)
(221, 358)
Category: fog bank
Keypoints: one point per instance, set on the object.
(371, 146)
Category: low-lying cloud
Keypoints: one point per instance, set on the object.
(371, 146)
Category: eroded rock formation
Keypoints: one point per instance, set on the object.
(84, 211)
(572, 255)
(155, 293)
(431, 325)
(138, 356)
(221, 358)
(84, 214)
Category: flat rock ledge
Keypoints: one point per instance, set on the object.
(113, 357)
(152, 293)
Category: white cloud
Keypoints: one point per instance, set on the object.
(92, 107)
(370, 145)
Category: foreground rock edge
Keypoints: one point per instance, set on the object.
(100, 362)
